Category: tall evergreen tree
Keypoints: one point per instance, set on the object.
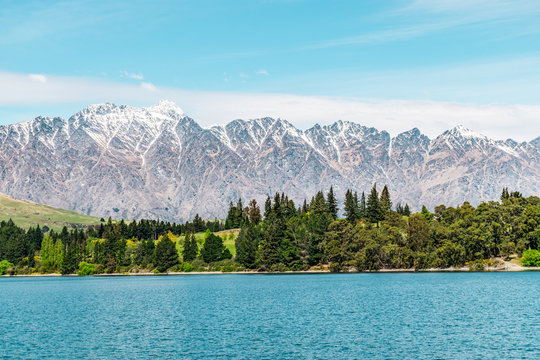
(305, 207)
(374, 212)
(505, 195)
(350, 206)
(386, 203)
(246, 246)
(332, 203)
(362, 206)
(213, 248)
(191, 249)
(319, 204)
(406, 210)
(267, 207)
(166, 255)
(254, 212)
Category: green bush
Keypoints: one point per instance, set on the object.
(4, 265)
(476, 265)
(186, 267)
(86, 269)
(531, 258)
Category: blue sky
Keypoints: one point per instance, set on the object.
(56, 57)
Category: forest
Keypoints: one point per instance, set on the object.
(365, 233)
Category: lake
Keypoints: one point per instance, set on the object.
(333, 316)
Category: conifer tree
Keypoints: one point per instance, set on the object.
(267, 207)
(319, 204)
(374, 211)
(191, 249)
(69, 261)
(305, 207)
(406, 210)
(505, 195)
(362, 206)
(166, 255)
(350, 207)
(386, 203)
(246, 246)
(332, 203)
(213, 248)
(254, 212)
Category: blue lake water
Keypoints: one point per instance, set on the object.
(341, 316)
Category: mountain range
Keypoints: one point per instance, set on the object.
(157, 162)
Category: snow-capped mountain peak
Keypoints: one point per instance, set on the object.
(156, 162)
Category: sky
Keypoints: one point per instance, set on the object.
(394, 65)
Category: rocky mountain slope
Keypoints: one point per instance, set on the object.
(156, 162)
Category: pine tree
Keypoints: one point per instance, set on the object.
(386, 203)
(246, 246)
(229, 221)
(166, 255)
(406, 210)
(213, 248)
(269, 252)
(69, 261)
(374, 211)
(305, 207)
(505, 195)
(362, 206)
(254, 212)
(267, 207)
(350, 206)
(319, 204)
(191, 249)
(332, 203)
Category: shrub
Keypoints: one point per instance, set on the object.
(476, 265)
(4, 265)
(86, 269)
(531, 258)
(186, 267)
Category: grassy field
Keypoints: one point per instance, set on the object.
(27, 213)
(228, 236)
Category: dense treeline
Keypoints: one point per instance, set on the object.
(283, 236)
(372, 236)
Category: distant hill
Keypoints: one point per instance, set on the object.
(27, 213)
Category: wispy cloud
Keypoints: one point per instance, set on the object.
(148, 86)
(262, 72)
(499, 121)
(132, 75)
(441, 15)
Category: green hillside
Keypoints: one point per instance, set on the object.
(27, 213)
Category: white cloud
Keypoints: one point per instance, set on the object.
(38, 77)
(148, 86)
(243, 75)
(520, 122)
(134, 76)
(262, 72)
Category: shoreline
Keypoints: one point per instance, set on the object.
(512, 268)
